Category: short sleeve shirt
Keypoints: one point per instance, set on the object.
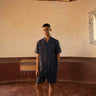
(48, 54)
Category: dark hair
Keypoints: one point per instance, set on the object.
(46, 25)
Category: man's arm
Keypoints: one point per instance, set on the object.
(37, 65)
(58, 58)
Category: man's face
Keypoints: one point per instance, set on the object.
(46, 30)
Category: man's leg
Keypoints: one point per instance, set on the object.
(39, 89)
(51, 79)
(51, 89)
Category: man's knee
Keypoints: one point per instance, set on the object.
(51, 85)
(38, 86)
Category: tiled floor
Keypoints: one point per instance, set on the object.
(61, 89)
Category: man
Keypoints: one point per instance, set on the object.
(47, 60)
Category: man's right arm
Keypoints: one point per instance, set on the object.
(37, 65)
(37, 58)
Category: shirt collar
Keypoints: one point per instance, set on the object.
(45, 38)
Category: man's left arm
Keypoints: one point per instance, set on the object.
(58, 58)
(58, 51)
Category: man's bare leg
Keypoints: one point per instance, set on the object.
(39, 89)
(51, 89)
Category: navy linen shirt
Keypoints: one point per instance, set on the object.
(48, 54)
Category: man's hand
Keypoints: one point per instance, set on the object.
(37, 72)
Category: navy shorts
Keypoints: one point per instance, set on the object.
(50, 76)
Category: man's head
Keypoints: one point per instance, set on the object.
(46, 29)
